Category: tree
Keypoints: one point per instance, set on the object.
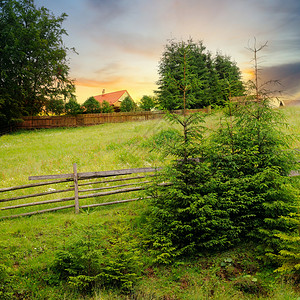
(185, 215)
(55, 107)
(251, 161)
(33, 59)
(106, 107)
(199, 71)
(91, 106)
(147, 103)
(127, 105)
(232, 188)
(72, 107)
(229, 78)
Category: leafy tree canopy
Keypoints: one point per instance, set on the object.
(72, 107)
(33, 59)
(147, 103)
(206, 79)
(106, 107)
(127, 105)
(91, 106)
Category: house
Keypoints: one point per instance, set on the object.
(114, 99)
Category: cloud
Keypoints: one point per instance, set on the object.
(86, 82)
(287, 74)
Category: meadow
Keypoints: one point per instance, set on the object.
(29, 245)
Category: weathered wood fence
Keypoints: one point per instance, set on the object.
(37, 122)
(133, 180)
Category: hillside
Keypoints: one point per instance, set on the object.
(36, 251)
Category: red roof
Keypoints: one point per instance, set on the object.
(111, 98)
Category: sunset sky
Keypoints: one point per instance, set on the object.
(120, 42)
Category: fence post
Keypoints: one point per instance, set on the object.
(75, 176)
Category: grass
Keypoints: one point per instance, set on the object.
(28, 245)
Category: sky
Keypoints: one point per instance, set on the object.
(120, 42)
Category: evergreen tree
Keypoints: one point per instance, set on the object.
(251, 161)
(206, 76)
(229, 78)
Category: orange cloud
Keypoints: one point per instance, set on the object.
(97, 83)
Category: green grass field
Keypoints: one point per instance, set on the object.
(28, 245)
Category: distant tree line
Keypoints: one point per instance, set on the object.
(35, 71)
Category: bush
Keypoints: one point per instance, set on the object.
(56, 107)
(147, 103)
(106, 107)
(73, 108)
(91, 106)
(88, 263)
(127, 105)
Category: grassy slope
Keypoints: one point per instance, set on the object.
(28, 244)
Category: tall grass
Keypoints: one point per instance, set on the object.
(53, 151)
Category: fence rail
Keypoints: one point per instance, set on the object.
(74, 191)
(78, 187)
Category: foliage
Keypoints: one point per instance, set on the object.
(147, 103)
(251, 162)
(106, 107)
(55, 106)
(289, 256)
(233, 189)
(34, 66)
(91, 106)
(185, 215)
(229, 78)
(187, 70)
(73, 107)
(127, 105)
(88, 263)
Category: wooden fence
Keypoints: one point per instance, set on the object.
(75, 192)
(38, 122)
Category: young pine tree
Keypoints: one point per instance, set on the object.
(185, 215)
(251, 161)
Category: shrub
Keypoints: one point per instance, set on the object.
(185, 215)
(88, 263)
(147, 103)
(127, 105)
(91, 106)
(106, 107)
(73, 108)
(56, 107)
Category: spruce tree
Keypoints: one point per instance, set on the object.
(251, 161)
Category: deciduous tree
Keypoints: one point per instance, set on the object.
(33, 59)
(127, 105)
